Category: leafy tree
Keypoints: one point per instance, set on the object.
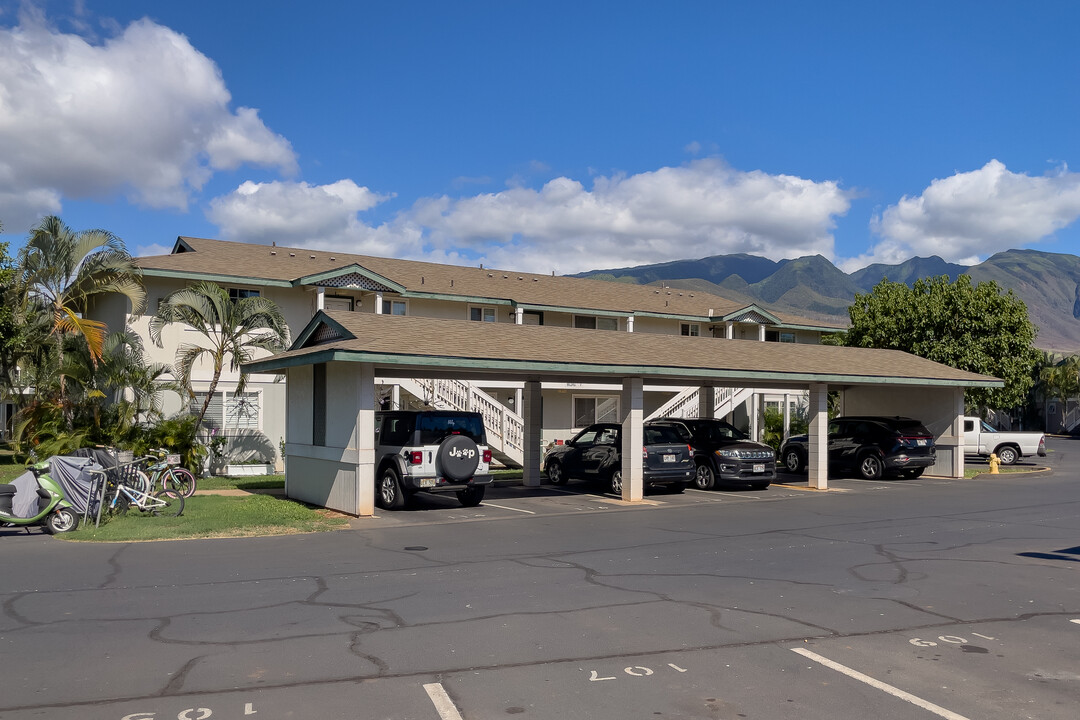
(235, 329)
(977, 328)
(1060, 378)
(61, 270)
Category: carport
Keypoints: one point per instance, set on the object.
(332, 366)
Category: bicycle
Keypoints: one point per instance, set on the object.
(164, 469)
(164, 502)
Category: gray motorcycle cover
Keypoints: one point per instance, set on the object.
(74, 479)
(25, 502)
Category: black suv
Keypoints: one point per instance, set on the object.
(723, 454)
(431, 451)
(872, 446)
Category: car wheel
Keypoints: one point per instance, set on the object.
(793, 461)
(705, 478)
(871, 467)
(616, 482)
(62, 520)
(388, 494)
(911, 473)
(1008, 455)
(555, 473)
(676, 487)
(471, 496)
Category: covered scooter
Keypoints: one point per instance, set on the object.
(35, 498)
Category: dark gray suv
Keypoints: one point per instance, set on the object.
(430, 451)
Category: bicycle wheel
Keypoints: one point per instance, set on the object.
(140, 481)
(119, 504)
(181, 480)
(174, 503)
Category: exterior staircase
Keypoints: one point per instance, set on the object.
(505, 428)
(685, 404)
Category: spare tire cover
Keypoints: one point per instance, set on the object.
(457, 458)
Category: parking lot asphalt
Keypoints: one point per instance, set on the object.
(924, 598)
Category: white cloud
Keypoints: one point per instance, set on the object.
(970, 216)
(700, 209)
(143, 114)
(299, 214)
(705, 208)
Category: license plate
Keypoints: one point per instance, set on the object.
(669, 458)
(759, 467)
(427, 482)
(920, 443)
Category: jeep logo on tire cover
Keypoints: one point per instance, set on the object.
(457, 458)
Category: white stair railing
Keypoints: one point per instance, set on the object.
(505, 428)
(687, 403)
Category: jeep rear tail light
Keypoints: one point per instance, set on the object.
(487, 455)
(416, 457)
(644, 453)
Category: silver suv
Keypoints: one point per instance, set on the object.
(430, 451)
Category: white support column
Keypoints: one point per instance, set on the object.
(729, 330)
(378, 303)
(630, 324)
(395, 397)
(706, 401)
(519, 317)
(755, 417)
(787, 416)
(817, 464)
(761, 333)
(365, 440)
(633, 439)
(320, 298)
(532, 412)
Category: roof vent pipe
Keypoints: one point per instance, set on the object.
(273, 252)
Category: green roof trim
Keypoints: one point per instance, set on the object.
(319, 320)
(645, 371)
(473, 300)
(215, 277)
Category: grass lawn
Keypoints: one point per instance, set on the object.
(207, 516)
(970, 471)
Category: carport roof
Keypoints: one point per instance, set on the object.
(429, 347)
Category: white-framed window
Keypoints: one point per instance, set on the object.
(395, 307)
(240, 293)
(595, 409)
(482, 314)
(229, 410)
(788, 337)
(595, 322)
(779, 336)
(690, 329)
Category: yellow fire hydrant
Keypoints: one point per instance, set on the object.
(994, 463)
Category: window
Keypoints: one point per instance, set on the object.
(592, 322)
(589, 410)
(532, 317)
(393, 307)
(777, 336)
(691, 329)
(788, 337)
(228, 410)
(482, 314)
(241, 293)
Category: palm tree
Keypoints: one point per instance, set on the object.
(235, 330)
(61, 270)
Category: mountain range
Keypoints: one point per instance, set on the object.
(812, 287)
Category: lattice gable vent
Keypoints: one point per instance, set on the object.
(753, 317)
(324, 334)
(354, 280)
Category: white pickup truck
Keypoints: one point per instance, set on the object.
(981, 439)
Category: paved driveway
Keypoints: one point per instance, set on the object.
(894, 599)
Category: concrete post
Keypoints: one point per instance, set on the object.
(761, 333)
(729, 330)
(755, 417)
(365, 440)
(395, 397)
(320, 298)
(630, 324)
(787, 416)
(706, 401)
(958, 434)
(633, 403)
(519, 316)
(817, 463)
(378, 303)
(532, 412)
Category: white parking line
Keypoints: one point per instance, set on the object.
(894, 691)
(1077, 621)
(503, 507)
(442, 702)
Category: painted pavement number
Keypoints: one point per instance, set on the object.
(951, 639)
(632, 671)
(200, 713)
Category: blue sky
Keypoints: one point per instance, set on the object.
(559, 136)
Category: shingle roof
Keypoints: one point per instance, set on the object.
(283, 265)
(520, 350)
